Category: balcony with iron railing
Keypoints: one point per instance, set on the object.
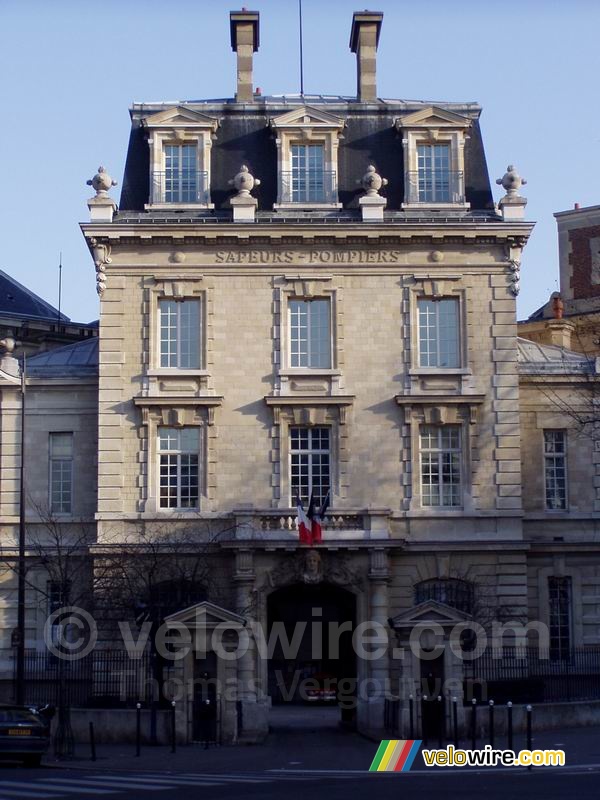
(431, 188)
(308, 188)
(183, 188)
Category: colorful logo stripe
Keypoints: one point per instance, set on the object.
(395, 755)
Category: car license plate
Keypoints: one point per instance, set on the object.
(19, 732)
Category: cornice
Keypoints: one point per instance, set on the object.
(350, 234)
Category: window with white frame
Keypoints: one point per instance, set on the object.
(310, 463)
(182, 182)
(439, 332)
(179, 467)
(61, 473)
(310, 333)
(179, 325)
(440, 452)
(434, 174)
(555, 469)
(308, 180)
(559, 601)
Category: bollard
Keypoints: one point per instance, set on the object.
(455, 720)
(473, 724)
(173, 737)
(424, 721)
(411, 716)
(138, 728)
(441, 720)
(92, 742)
(510, 724)
(529, 736)
(491, 723)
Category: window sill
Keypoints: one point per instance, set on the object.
(441, 371)
(294, 372)
(176, 372)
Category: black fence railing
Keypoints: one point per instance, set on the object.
(102, 679)
(435, 186)
(185, 186)
(312, 186)
(531, 675)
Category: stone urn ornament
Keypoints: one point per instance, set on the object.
(101, 182)
(244, 182)
(372, 181)
(511, 181)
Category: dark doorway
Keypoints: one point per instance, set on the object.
(321, 668)
(205, 722)
(432, 687)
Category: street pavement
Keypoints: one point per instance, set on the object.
(304, 754)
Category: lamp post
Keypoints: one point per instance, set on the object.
(10, 369)
(20, 673)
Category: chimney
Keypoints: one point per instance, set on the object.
(364, 38)
(244, 41)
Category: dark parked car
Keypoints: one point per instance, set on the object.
(25, 733)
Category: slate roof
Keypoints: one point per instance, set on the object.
(73, 360)
(244, 137)
(548, 359)
(18, 301)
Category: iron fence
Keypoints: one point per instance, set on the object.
(102, 679)
(187, 186)
(528, 674)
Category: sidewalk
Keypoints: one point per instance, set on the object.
(317, 746)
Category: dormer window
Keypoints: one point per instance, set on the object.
(180, 142)
(307, 147)
(433, 143)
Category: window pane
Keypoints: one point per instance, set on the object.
(179, 467)
(61, 472)
(555, 469)
(440, 465)
(310, 466)
(308, 173)
(179, 323)
(559, 596)
(439, 333)
(434, 173)
(310, 333)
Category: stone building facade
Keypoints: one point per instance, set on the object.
(316, 295)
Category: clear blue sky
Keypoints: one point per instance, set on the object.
(69, 70)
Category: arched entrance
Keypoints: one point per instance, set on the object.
(312, 661)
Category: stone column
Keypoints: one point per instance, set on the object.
(378, 672)
(253, 706)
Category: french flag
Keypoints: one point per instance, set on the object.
(316, 517)
(304, 523)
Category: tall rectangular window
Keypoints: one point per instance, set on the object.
(179, 457)
(308, 173)
(310, 333)
(559, 597)
(181, 178)
(61, 473)
(555, 469)
(439, 333)
(433, 161)
(310, 463)
(440, 465)
(179, 322)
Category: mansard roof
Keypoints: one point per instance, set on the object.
(17, 300)
(245, 136)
